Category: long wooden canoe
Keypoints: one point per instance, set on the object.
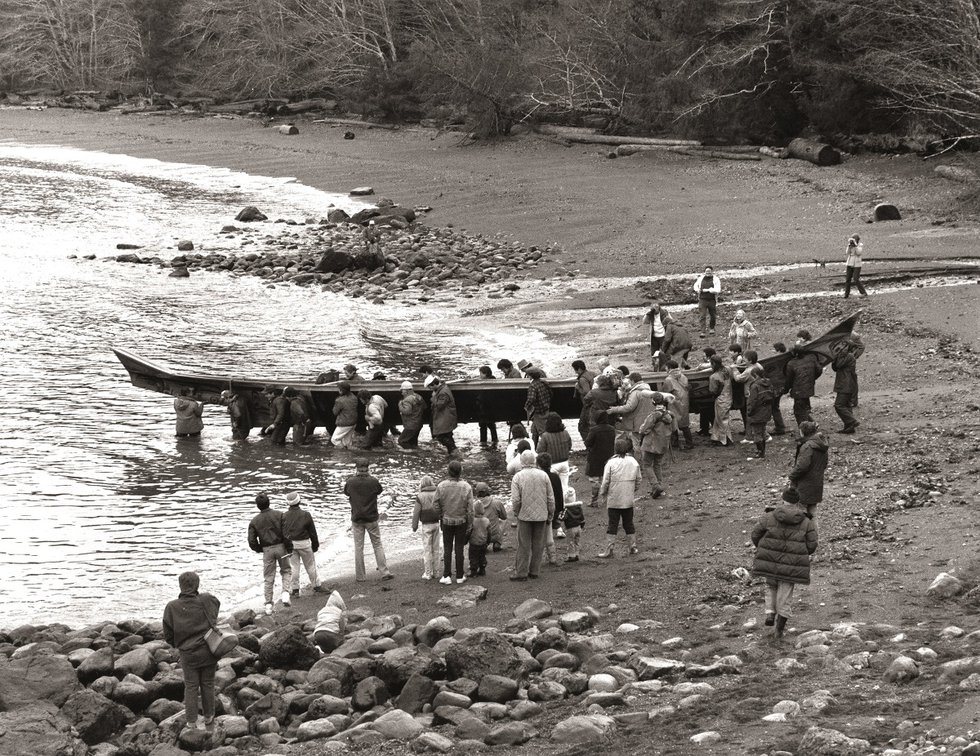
(504, 398)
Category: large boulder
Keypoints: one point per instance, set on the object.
(137, 662)
(334, 261)
(316, 729)
(533, 609)
(45, 677)
(484, 652)
(398, 725)
(944, 586)
(463, 598)
(583, 729)
(288, 648)
(37, 730)
(497, 688)
(337, 215)
(399, 664)
(101, 663)
(368, 260)
(370, 692)
(94, 716)
(332, 668)
(418, 691)
(820, 741)
(250, 214)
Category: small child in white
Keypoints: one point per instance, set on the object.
(574, 519)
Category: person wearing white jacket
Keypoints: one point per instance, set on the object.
(707, 287)
(374, 413)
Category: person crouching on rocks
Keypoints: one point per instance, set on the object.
(186, 619)
(331, 623)
(784, 539)
(620, 483)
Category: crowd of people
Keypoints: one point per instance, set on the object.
(628, 430)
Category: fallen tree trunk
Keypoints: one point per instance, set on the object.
(355, 122)
(719, 155)
(958, 173)
(317, 103)
(583, 136)
(778, 153)
(817, 153)
(247, 106)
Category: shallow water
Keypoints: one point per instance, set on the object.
(102, 505)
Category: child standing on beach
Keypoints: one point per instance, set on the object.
(574, 519)
(495, 511)
(479, 538)
(426, 516)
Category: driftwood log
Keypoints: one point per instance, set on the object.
(958, 173)
(584, 136)
(717, 154)
(780, 153)
(817, 153)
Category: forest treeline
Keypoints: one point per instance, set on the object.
(732, 69)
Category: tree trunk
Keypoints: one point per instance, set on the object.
(813, 152)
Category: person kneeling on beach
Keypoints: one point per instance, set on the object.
(186, 619)
(331, 623)
(784, 539)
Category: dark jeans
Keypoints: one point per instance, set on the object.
(446, 439)
(199, 684)
(615, 515)
(492, 429)
(706, 308)
(853, 275)
(409, 438)
(478, 559)
(279, 433)
(374, 437)
(801, 409)
(706, 419)
(453, 541)
(777, 415)
(842, 405)
(655, 342)
(531, 539)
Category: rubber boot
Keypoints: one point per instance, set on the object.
(761, 449)
(607, 553)
(595, 495)
(780, 625)
(550, 551)
(634, 549)
(688, 438)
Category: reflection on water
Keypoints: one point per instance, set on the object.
(102, 505)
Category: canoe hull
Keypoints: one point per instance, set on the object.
(503, 399)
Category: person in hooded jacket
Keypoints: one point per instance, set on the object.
(556, 442)
(412, 409)
(426, 516)
(600, 399)
(742, 331)
(600, 446)
(676, 345)
(802, 372)
(812, 456)
(186, 619)
(301, 415)
(634, 410)
(374, 415)
(758, 410)
(278, 427)
(495, 512)
(238, 413)
(331, 623)
(845, 384)
(784, 539)
(655, 433)
(444, 418)
(189, 413)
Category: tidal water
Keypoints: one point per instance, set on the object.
(101, 505)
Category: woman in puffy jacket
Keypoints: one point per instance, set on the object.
(742, 331)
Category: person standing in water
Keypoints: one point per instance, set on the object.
(189, 411)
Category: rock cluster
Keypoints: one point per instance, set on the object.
(415, 261)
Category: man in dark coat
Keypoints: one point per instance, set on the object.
(238, 412)
(802, 372)
(676, 345)
(299, 529)
(265, 537)
(845, 384)
(281, 419)
(444, 417)
(600, 445)
(583, 385)
(784, 540)
(808, 470)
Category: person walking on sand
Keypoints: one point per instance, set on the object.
(784, 540)
(188, 411)
(238, 413)
(281, 420)
(742, 331)
(426, 516)
(479, 539)
(655, 434)
(600, 445)
(758, 410)
(362, 490)
(707, 286)
(299, 530)
(634, 410)
(543, 461)
(657, 318)
(444, 418)
(454, 503)
(265, 537)
(720, 386)
(676, 383)
(533, 504)
(852, 270)
(538, 402)
(412, 409)
(845, 384)
(802, 372)
(557, 443)
(573, 520)
(812, 457)
(345, 409)
(186, 620)
(620, 484)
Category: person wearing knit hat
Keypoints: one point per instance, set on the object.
(412, 409)
(573, 518)
(298, 528)
(426, 516)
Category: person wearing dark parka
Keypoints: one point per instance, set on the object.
(810, 465)
(784, 539)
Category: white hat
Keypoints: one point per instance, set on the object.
(406, 385)
(428, 380)
(293, 499)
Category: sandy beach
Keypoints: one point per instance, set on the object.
(899, 491)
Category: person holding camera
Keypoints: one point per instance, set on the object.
(853, 271)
